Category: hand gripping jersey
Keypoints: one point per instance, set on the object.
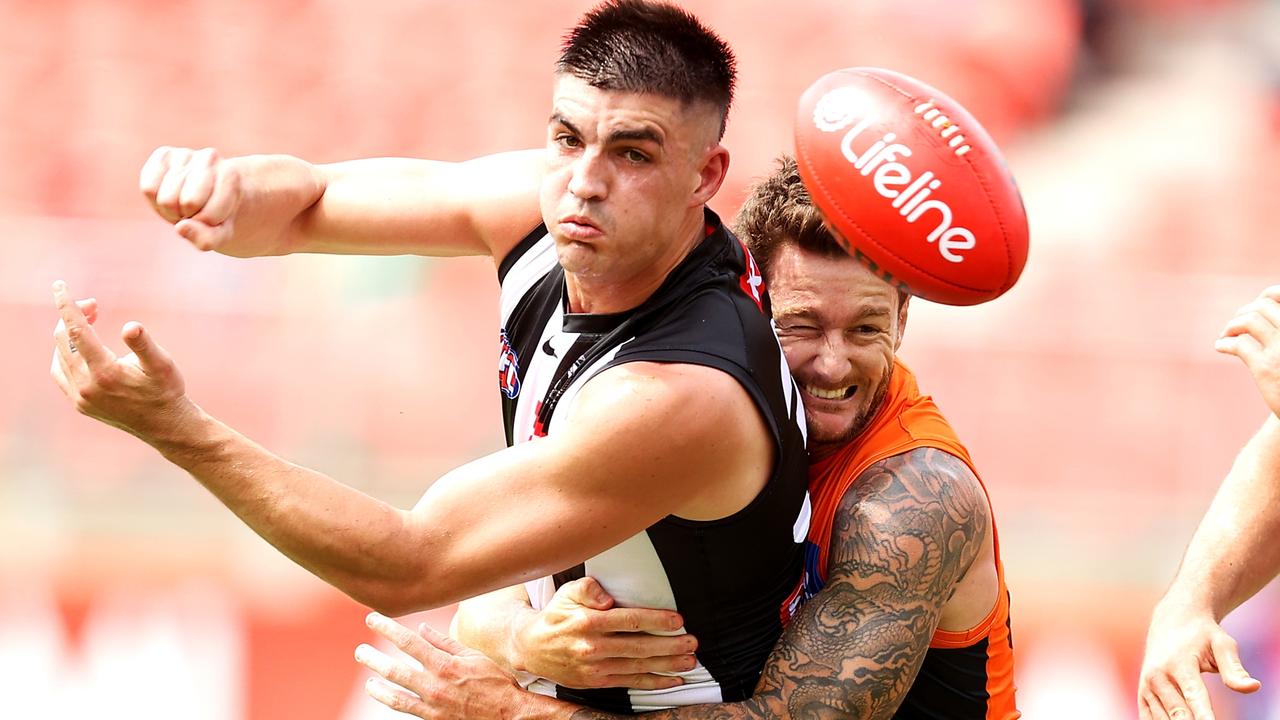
(966, 675)
(734, 580)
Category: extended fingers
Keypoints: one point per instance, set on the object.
(647, 666)
(61, 375)
(410, 643)
(396, 698)
(636, 620)
(76, 335)
(152, 358)
(641, 682)
(394, 681)
(1189, 685)
(644, 645)
(397, 671)
(1153, 706)
(440, 640)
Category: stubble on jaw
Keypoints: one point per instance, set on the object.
(859, 424)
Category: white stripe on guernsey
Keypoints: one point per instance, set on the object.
(800, 530)
(633, 574)
(691, 693)
(790, 391)
(539, 372)
(527, 271)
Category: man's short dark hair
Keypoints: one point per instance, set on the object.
(643, 46)
(779, 210)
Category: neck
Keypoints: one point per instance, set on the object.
(610, 294)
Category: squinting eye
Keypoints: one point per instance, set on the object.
(635, 156)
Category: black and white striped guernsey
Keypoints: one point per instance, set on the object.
(734, 580)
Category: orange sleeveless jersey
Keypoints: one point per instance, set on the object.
(966, 675)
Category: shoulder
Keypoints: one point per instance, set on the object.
(923, 472)
(693, 393)
(685, 407)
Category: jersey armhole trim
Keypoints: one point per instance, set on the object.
(950, 639)
(520, 249)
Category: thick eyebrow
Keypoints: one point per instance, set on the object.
(558, 119)
(637, 135)
(804, 313)
(792, 313)
(875, 312)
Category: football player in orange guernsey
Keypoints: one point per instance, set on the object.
(909, 614)
(1233, 553)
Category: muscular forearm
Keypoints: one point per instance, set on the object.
(850, 653)
(364, 547)
(1233, 553)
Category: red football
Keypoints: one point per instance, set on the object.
(912, 185)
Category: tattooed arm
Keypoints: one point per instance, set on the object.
(905, 533)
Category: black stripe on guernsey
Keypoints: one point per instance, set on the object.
(611, 700)
(952, 684)
(1008, 621)
(577, 572)
(519, 250)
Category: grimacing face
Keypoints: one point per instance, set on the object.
(840, 327)
(624, 169)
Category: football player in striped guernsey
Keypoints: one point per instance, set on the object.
(656, 439)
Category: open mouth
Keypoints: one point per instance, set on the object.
(843, 393)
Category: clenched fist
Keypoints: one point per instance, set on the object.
(196, 191)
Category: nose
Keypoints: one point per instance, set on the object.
(831, 362)
(589, 177)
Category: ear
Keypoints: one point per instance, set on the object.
(711, 175)
(902, 320)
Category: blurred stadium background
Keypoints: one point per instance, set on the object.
(1145, 135)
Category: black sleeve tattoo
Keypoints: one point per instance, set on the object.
(904, 534)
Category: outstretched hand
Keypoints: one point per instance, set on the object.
(453, 682)
(1180, 646)
(141, 393)
(1253, 335)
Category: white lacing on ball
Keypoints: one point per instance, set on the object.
(938, 120)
